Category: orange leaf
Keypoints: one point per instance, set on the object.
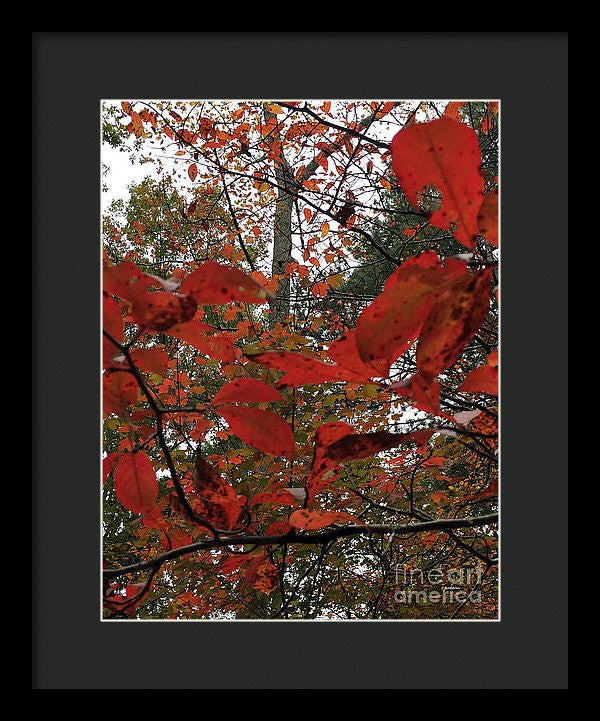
(193, 171)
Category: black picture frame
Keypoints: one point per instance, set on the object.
(527, 649)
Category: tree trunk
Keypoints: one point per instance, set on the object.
(282, 231)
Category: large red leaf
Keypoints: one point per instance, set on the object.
(125, 280)
(159, 310)
(392, 322)
(207, 340)
(135, 482)
(210, 485)
(246, 390)
(453, 321)
(279, 496)
(325, 435)
(423, 390)
(363, 445)
(260, 429)
(344, 353)
(112, 323)
(487, 217)
(313, 520)
(119, 390)
(214, 284)
(482, 380)
(302, 369)
(151, 360)
(446, 154)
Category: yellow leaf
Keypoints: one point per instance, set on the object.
(324, 229)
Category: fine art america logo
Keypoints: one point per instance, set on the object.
(434, 585)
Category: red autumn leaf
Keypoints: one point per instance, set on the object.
(119, 391)
(246, 390)
(112, 323)
(482, 380)
(453, 110)
(319, 290)
(135, 482)
(302, 369)
(263, 430)
(193, 171)
(453, 321)
(490, 491)
(363, 445)
(487, 218)
(233, 563)
(387, 327)
(280, 496)
(210, 485)
(206, 339)
(267, 577)
(325, 435)
(278, 528)
(215, 284)
(344, 353)
(446, 154)
(159, 310)
(423, 389)
(313, 520)
(125, 280)
(151, 360)
(108, 464)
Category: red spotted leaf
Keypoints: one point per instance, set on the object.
(135, 482)
(263, 430)
(446, 154)
(151, 360)
(453, 321)
(302, 369)
(387, 327)
(344, 353)
(210, 485)
(487, 217)
(215, 284)
(320, 475)
(119, 391)
(159, 310)
(313, 520)
(246, 390)
(363, 445)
